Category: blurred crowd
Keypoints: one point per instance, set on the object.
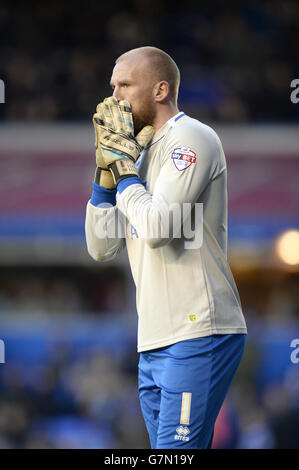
(70, 376)
(236, 61)
(45, 290)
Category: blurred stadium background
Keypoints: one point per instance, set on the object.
(68, 323)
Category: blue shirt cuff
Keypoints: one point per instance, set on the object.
(123, 184)
(102, 196)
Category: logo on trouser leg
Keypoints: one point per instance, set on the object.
(182, 433)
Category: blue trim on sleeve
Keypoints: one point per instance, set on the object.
(102, 195)
(123, 184)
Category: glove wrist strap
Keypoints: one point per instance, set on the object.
(121, 169)
(97, 175)
(104, 178)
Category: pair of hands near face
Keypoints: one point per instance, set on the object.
(117, 149)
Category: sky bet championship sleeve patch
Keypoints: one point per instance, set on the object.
(183, 157)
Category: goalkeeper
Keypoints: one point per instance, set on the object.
(150, 159)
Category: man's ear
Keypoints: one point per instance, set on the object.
(161, 91)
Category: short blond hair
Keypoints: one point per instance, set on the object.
(162, 67)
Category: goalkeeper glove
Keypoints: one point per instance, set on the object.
(120, 148)
(103, 175)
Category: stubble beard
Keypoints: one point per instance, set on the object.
(144, 117)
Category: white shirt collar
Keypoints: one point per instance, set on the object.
(173, 121)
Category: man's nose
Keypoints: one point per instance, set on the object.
(117, 94)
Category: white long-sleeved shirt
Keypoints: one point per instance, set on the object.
(183, 290)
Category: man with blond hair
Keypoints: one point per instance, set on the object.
(161, 181)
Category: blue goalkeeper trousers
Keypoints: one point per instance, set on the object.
(182, 388)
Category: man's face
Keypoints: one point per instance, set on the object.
(132, 83)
